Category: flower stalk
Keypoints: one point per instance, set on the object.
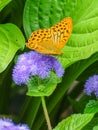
(46, 113)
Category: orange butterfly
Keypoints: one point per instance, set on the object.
(52, 40)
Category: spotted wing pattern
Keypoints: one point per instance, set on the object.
(52, 40)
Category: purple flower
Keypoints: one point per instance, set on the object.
(35, 64)
(7, 124)
(91, 85)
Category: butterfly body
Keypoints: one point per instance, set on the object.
(52, 40)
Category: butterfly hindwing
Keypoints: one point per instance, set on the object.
(63, 30)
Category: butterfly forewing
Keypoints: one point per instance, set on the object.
(52, 40)
(40, 41)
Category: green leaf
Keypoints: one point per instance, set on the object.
(91, 124)
(11, 40)
(74, 122)
(39, 87)
(84, 39)
(95, 127)
(17, 7)
(3, 3)
(91, 107)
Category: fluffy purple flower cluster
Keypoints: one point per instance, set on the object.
(7, 124)
(91, 85)
(35, 64)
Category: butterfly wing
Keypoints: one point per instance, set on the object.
(41, 41)
(51, 41)
(61, 32)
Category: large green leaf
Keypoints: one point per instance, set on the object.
(84, 39)
(11, 39)
(74, 122)
(3, 3)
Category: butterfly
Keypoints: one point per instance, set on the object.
(51, 40)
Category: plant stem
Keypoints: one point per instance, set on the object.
(46, 113)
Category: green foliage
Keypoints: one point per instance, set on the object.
(95, 127)
(81, 45)
(3, 3)
(83, 41)
(79, 57)
(91, 107)
(39, 87)
(74, 122)
(91, 124)
(11, 40)
(17, 8)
